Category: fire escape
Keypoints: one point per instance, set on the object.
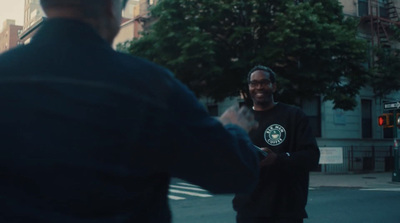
(382, 15)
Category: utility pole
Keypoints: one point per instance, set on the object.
(392, 120)
(396, 172)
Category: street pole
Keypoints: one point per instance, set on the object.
(394, 108)
(396, 171)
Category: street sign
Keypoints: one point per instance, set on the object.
(392, 105)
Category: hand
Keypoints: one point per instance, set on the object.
(239, 116)
(269, 159)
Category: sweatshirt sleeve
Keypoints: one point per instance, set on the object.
(304, 152)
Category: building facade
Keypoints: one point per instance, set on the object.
(9, 35)
(32, 13)
(134, 15)
(33, 18)
(129, 27)
(136, 19)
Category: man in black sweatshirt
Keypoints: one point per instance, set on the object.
(285, 134)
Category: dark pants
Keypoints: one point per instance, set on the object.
(269, 220)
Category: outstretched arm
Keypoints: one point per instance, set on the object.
(216, 154)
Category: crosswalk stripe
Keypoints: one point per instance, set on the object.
(187, 184)
(189, 193)
(173, 197)
(189, 188)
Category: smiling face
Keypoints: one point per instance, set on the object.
(261, 90)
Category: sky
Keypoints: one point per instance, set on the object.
(12, 9)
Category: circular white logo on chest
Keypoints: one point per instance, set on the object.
(274, 135)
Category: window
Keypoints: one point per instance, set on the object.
(33, 14)
(366, 118)
(383, 11)
(362, 8)
(312, 108)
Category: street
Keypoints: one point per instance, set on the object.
(325, 205)
(191, 204)
(353, 205)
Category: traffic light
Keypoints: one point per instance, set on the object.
(386, 120)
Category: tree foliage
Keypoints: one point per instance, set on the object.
(211, 45)
(384, 77)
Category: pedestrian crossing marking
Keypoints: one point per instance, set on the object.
(189, 193)
(183, 188)
(187, 184)
(173, 197)
(188, 188)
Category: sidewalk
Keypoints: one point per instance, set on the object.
(359, 180)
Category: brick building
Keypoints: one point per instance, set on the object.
(9, 35)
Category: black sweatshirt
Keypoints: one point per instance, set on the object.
(283, 187)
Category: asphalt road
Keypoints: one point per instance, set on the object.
(352, 205)
(191, 204)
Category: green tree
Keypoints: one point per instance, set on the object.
(211, 44)
(384, 77)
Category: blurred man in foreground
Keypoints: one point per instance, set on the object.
(92, 135)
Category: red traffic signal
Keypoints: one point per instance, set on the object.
(386, 120)
(381, 120)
